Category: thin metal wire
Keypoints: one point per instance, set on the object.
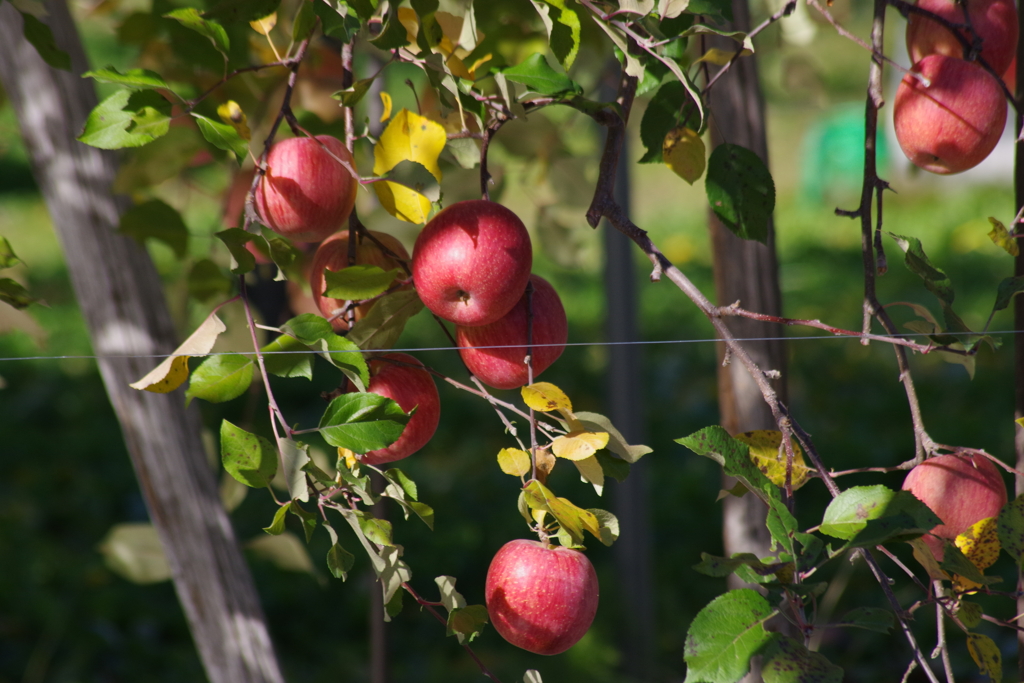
(496, 346)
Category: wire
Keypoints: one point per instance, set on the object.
(498, 346)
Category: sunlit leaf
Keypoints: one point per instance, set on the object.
(249, 458)
(545, 397)
(850, 511)
(132, 78)
(221, 378)
(980, 545)
(684, 153)
(591, 472)
(724, 635)
(8, 258)
(231, 113)
(404, 203)
(172, 372)
(409, 137)
(579, 445)
(223, 136)
(563, 27)
(1000, 237)
(264, 25)
(357, 283)
(617, 444)
(537, 75)
(765, 453)
(362, 422)
(385, 101)
(190, 17)
(514, 461)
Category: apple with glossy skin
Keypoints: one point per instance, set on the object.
(306, 194)
(471, 262)
(407, 383)
(953, 124)
(994, 21)
(332, 254)
(495, 353)
(960, 489)
(541, 598)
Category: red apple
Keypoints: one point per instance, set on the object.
(994, 21)
(495, 353)
(960, 489)
(471, 262)
(332, 254)
(411, 386)
(953, 124)
(306, 193)
(1010, 76)
(541, 598)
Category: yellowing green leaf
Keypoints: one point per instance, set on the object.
(721, 57)
(545, 397)
(173, 371)
(924, 556)
(1000, 236)
(683, 152)
(979, 544)
(1020, 421)
(409, 137)
(404, 203)
(232, 114)
(514, 461)
(265, 25)
(385, 100)
(592, 472)
(985, 654)
(579, 445)
(764, 452)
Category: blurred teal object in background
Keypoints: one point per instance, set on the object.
(833, 154)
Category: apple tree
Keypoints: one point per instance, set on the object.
(322, 117)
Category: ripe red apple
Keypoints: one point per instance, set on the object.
(960, 489)
(953, 124)
(411, 386)
(333, 255)
(994, 21)
(495, 352)
(306, 193)
(541, 598)
(471, 262)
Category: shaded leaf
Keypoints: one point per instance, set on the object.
(788, 661)
(1010, 529)
(294, 457)
(277, 526)
(189, 17)
(134, 552)
(155, 219)
(14, 293)
(358, 283)
(955, 562)
(8, 258)
(1008, 288)
(741, 191)
(724, 566)
(41, 38)
(563, 27)
(383, 325)
(248, 458)
(716, 443)
(238, 11)
(467, 622)
(869, 618)
(340, 561)
(285, 551)
(986, 655)
(670, 108)
(286, 356)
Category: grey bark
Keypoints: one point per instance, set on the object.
(122, 300)
(747, 272)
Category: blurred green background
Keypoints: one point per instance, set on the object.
(66, 479)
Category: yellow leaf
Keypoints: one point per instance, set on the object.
(985, 654)
(232, 114)
(545, 463)
(409, 137)
(924, 556)
(385, 99)
(514, 461)
(545, 397)
(764, 452)
(684, 153)
(592, 472)
(579, 445)
(1000, 236)
(173, 371)
(404, 203)
(1020, 421)
(410, 20)
(979, 544)
(347, 458)
(265, 25)
(722, 57)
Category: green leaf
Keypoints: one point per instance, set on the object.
(189, 17)
(849, 512)
(870, 618)
(205, 281)
(249, 458)
(607, 524)
(719, 9)
(127, 119)
(904, 519)
(613, 467)
(724, 566)
(304, 21)
(741, 191)
(342, 353)
(670, 107)
(467, 622)
(277, 526)
(157, 220)
(563, 27)
(340, 561)
(782, 525)
(1010, 529)
(222, 136)
(537, 75)
(13, 293)
(732, 454)
(935, 280)
(1001, 237)
(358, 283)
(571, 519)
(788, 661)
(308, 328)
(394, 35)
(362, 422)
(955, 562)
(364, 8)
(351, 96)
(8, 258)
(970, 613)
(41, 38)
(164, 158)
(286, 356)
(376, 530)
(402, 481)
(336, 19)
(725, 635)
(136, 79)
(221, 378)
(242, 11)
(235, 239)
(1008, 288)
(383, 325)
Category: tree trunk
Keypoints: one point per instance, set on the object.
(747, 272)
(122, 300)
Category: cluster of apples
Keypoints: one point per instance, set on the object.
(471, 265)
(952, 119)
